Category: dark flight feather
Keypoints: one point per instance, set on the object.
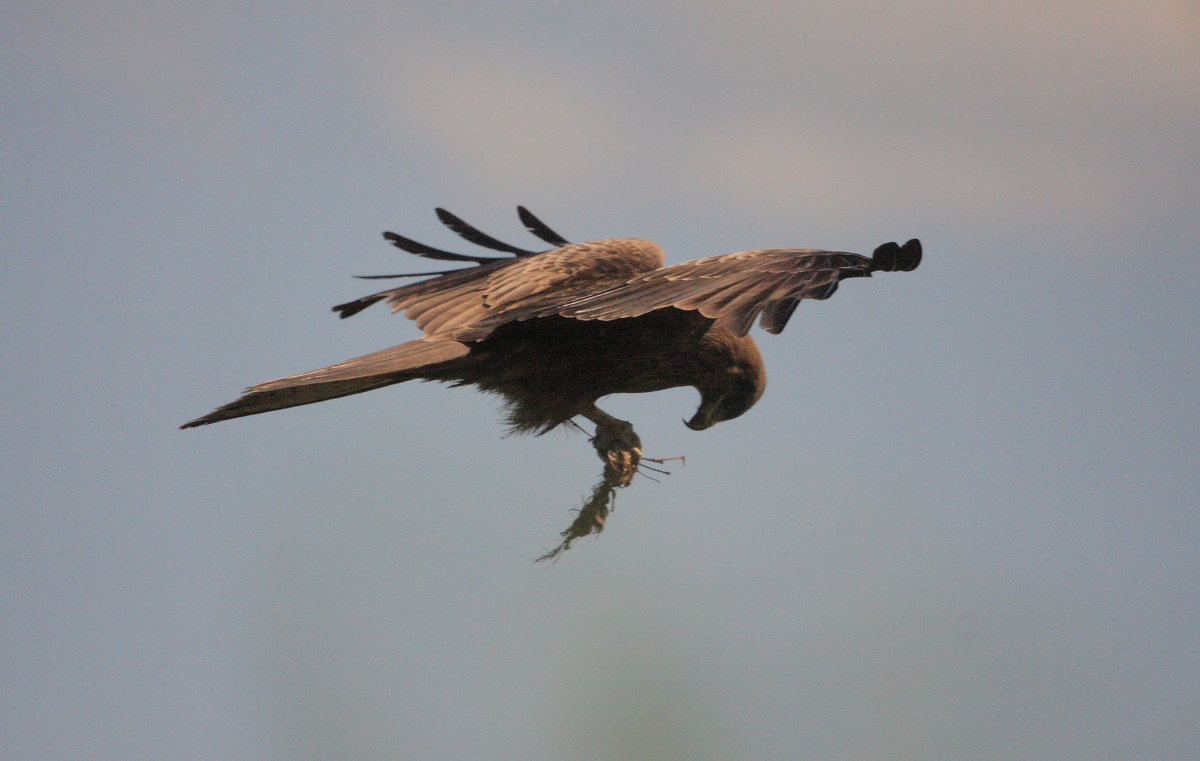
(429, 252)
(479, 238)
(539, 228)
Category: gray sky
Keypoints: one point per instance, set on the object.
(961, 524)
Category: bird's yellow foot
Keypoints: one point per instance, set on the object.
(619, 449)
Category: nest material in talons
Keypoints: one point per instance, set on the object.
(620, 465)
(620, 450)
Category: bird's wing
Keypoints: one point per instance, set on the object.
(441, 311)
(459, 298)
(733, 289)
(453, 299)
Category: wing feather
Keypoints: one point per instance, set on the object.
(451, 312)
(478, 237)
(429, 252)
(715, 295)
(738, 314)
(540, 229)
(429, 309)
(734, 286)
(775, 317)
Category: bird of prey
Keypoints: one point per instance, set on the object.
(554, 331)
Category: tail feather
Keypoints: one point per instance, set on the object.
(354, 376)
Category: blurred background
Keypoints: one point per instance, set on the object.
(961, 524)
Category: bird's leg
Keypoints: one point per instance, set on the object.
(617, 444)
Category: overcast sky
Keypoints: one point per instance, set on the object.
(961, 524)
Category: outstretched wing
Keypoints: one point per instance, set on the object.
(733, 289)
(455, 299)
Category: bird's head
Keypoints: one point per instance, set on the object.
(739, 387)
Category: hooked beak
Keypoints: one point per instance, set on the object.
(699, 421)
(705, 412)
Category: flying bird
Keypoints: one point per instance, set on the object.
(554, 331)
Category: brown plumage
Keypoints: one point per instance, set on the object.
(554, 331)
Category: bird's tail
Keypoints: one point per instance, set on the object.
(370, 371)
